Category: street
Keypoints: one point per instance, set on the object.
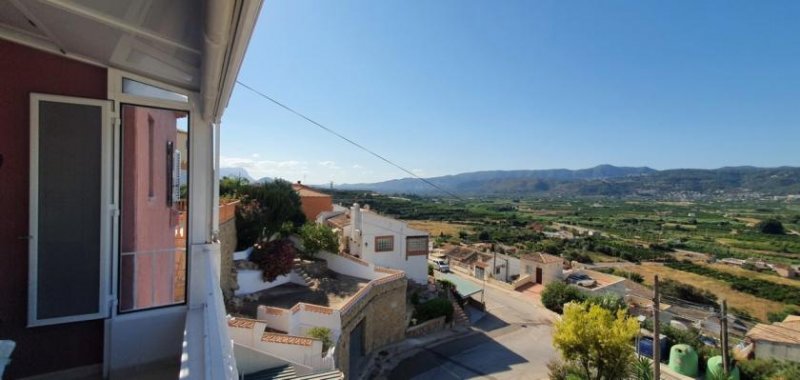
(512, 341)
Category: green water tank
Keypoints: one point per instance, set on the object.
(714, 367)
(683, 360)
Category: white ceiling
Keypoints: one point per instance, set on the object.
(161, 39)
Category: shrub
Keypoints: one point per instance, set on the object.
(446, 284)
(434, 308)
(779, 316)
(415, 298)
(610, 302)
(430, 269)
(556, 294)
(318, 237)
(323, 334)
(274, 258)
(769, 369)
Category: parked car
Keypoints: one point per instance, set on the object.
(581, 279)
(440, 265)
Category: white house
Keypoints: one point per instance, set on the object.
(382, 241)
(541, 267)
(780, 340)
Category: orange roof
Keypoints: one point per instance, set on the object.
(305, 191)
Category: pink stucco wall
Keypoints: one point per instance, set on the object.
(148, 224)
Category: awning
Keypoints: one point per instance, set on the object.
(465, 288)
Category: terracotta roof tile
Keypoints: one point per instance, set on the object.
(305, 191)
(286, 339)
(242, 323)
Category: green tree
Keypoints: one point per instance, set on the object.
(264, 210)
(318, 237)
(557, 293)
(771, 227)
(598, 341)
(232, 186)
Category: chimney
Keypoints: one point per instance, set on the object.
(355, 221)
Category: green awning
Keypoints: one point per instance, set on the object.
(465, 288)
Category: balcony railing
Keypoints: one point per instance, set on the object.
(208, 351)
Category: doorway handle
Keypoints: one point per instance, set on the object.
(25, 237)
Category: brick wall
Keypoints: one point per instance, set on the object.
(384, 315)
(227, 237)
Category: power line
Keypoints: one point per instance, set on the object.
(339, 135)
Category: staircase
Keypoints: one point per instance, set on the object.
(288, 373)
(298, 268)
(460, 317)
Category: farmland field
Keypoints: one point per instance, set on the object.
(755, 306)
(650, 232)
(436, 228)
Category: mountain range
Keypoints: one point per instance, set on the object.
(601, 180)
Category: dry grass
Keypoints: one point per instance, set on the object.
(757, 307)
(752, 274)
(434, 228)
(751, 222)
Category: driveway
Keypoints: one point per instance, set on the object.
(512, 341)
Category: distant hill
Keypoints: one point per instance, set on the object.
(235, 173)
(604, 180)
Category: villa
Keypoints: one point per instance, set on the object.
(380, 240)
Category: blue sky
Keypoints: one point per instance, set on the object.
(443, 87)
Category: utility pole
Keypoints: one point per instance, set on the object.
(656, 332)
(723, 332)
(494, 264)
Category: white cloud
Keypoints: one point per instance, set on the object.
(357, 166)
(418, 172)
(290, 169)
(329, 165)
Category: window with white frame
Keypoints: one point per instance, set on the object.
(384, 243)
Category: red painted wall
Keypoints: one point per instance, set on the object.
(25, 70)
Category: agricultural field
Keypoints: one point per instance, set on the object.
(755, 306)
(658, 235)
(438, 228)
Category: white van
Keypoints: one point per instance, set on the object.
(440, 265)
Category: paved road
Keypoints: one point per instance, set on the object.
(512, 341)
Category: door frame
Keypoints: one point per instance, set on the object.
(117, 321)
(105, 208)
